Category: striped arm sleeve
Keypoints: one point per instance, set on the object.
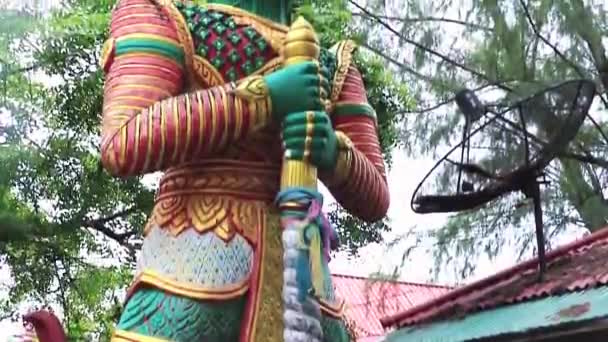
(359, 181)
(146, 125)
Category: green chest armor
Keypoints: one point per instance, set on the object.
(231, 44)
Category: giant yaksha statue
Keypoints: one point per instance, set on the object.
(202, 93)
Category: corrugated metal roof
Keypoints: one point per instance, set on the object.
(368, 300)
(547, 312)
(576, 266)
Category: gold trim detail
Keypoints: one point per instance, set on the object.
(127, 336)
(343, 168)
(107, 53)
(334, 310)
(184, 36)
(344, 163)
(220, 196)
(268, 321)
(189, 290)
(252, 89)
(223, 215)
(344, 53)
(300, 175)
(344, 142)
(207, 73)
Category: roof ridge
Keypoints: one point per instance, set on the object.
(402, 282)
(488, 281)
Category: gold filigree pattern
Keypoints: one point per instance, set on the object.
(344, 163)
(207, 73)
(107, 53)
(224, 197)
(252, 89)
(344, 53)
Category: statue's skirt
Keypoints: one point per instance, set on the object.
(211, 265)
(198, 287)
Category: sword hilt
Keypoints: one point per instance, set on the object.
(301, 45)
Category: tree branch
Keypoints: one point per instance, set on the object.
(586, 159)
(596, 51)
(547, 42)
(62, 290)
(448, 100)
(10, 72)
(397, 63)
(424, 48)
(7, 315)
(100, 226)
(594, 42)
(430, 19)
(116, 215)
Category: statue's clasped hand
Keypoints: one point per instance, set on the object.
(297, 88)
(299, 96)
(299, 100)
(310, 136)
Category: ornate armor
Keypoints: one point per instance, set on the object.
(210, 267)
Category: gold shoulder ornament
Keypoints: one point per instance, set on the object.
(107, 54)
(344, 53)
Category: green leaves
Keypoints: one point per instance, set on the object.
(62, 218)
(60, 214)
(494, 42)
(95, 302)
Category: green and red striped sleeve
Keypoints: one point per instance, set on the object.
(146, 125)
(359, 182)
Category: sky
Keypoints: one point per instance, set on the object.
(403, 178)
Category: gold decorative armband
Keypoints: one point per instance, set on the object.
(255, 93)
(107, 54)
(345, 159)
(252, 89)
(344, 142)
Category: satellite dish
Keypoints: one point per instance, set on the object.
(518, 143)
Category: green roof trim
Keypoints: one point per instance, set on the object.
(516, 318)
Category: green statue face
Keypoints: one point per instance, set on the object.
(275, 10)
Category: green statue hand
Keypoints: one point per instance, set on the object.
(310, 135)
(297, 88)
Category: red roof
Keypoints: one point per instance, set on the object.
(573, 267)
(368, 300)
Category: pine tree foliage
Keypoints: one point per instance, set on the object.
(504, 49)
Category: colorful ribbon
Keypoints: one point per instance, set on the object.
(317, 237)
